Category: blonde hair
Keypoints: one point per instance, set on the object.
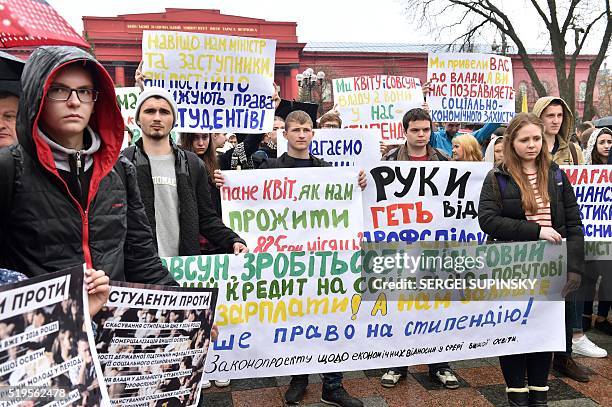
(299, 117)
(513, 163)
(470, 147)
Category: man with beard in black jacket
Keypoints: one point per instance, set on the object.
(64, 198)
(174, 183)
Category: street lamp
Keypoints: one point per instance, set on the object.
(307, 81)
(504, 48)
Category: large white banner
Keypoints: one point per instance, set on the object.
(472, 88)
(377, 102)
(297, 313)
(294, 209)
(422, 201)
(220, 83)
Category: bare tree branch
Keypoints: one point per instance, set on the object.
(540, 12)
(570, 16)
(558, 21)
(588, 101)
(586, 32)
(470, 34)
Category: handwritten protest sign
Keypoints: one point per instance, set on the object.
(45, 350)
(218, 82)
(423, 201)
(473, 88)
(126, 99)
(297, 313)
(377, 102)
(294, 209)
(342, 147)
(152, 343)
(593, 189)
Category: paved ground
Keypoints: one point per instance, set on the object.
(481, 385)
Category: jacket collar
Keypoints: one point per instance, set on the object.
(287, 159)
(140, 144)
(61, 154)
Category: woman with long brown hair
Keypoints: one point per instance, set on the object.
(527, 197)
(201, 144)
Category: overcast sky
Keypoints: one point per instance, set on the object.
(318, 20)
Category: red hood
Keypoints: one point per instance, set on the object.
(106, 120)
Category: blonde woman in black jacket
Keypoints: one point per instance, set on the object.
(527, 198)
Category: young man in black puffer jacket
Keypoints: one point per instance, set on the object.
(64, 198)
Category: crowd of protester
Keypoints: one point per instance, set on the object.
(70, 196)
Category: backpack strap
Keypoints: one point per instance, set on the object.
(502, 182)
(129, 153)
(10, 157)
(120, 169)
(559, 179)
(194, 174)
(7, 180)
(573, 152)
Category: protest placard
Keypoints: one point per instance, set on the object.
(152, 343)
(470, 88)
(300, 312)
(45, 353)
(593, 188)
(126, 99)
(423, 201)
(294, 209)
(342, 147)
(377, 102)
(218, 82)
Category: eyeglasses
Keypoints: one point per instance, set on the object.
(63, 93)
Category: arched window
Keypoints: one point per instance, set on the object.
(523, 88)
(582, 91)
(327, 91)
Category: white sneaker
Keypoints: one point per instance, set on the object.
(206, 384)
(585, 347)
(390, 379)
(222, 383)
(447, 378)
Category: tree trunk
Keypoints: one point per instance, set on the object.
(589, 110)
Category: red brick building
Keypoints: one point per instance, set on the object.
(116, 42)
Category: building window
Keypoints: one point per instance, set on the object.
(582, 91)
(327, 92)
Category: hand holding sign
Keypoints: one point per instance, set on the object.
(98, 289)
